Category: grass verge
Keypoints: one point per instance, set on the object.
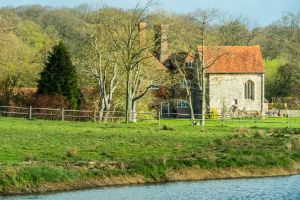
(38, 156)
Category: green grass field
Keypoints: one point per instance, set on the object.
(34, 152)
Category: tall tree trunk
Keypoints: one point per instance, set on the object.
(189, 95)
(191, 109)
(106, 110)
(101, 112)
(133, 111)
(203, 103)
(128, 97)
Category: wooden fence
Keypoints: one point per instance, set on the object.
(119, 116)
(69, 115)
(88, 115)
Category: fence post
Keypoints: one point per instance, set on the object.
(62, 114)
(30, 112)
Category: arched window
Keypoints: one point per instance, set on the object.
(249, 90)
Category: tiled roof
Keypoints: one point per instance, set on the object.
(232, 59)
(157, 63)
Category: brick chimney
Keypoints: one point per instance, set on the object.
(142, 30)
(161, 42)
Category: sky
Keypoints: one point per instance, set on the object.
(259, 12)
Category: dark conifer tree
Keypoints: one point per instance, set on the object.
(59, 76)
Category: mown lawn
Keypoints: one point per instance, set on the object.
(35, 152)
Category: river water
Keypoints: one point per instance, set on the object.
(259, 188)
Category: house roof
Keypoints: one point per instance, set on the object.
(157, 63)
(231, 59)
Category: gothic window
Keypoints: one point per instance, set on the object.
(249, 90)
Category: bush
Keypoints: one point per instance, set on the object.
(297, 144)
(260, 134)
(167, 128)
(242, 132)
(24, 97)
(213, 114)
(220, 141)
(30, 157)
(289, 146)
(71, 152)
(47, 101)
(59, 76)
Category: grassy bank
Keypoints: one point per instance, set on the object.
(50, 155)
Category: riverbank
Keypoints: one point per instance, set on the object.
(189, 174)
(40, 156)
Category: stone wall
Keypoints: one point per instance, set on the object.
(230, 87)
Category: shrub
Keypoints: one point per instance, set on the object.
(47, 101)
(289, 146)
(71, 152)
(167, 128)
(163, 160)
(30, 157)
(213, 113)
(59, 76)
(24, 97)
(220, 141)
(242, 132)
(297, 144)
(260, 134)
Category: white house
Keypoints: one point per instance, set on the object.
(235, 77)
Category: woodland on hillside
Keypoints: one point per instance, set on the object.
(108, 67)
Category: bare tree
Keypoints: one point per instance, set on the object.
(186, 76)
(237, 31)
(105, 72)
(287, 32)
(201, 26)
(118, 51)
(203, 18)
(147, 76)
(133, 55)
(101, 62)
(285, 40)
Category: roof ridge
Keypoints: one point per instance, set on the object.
(233, 59)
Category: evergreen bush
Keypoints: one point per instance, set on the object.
(59, 76)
